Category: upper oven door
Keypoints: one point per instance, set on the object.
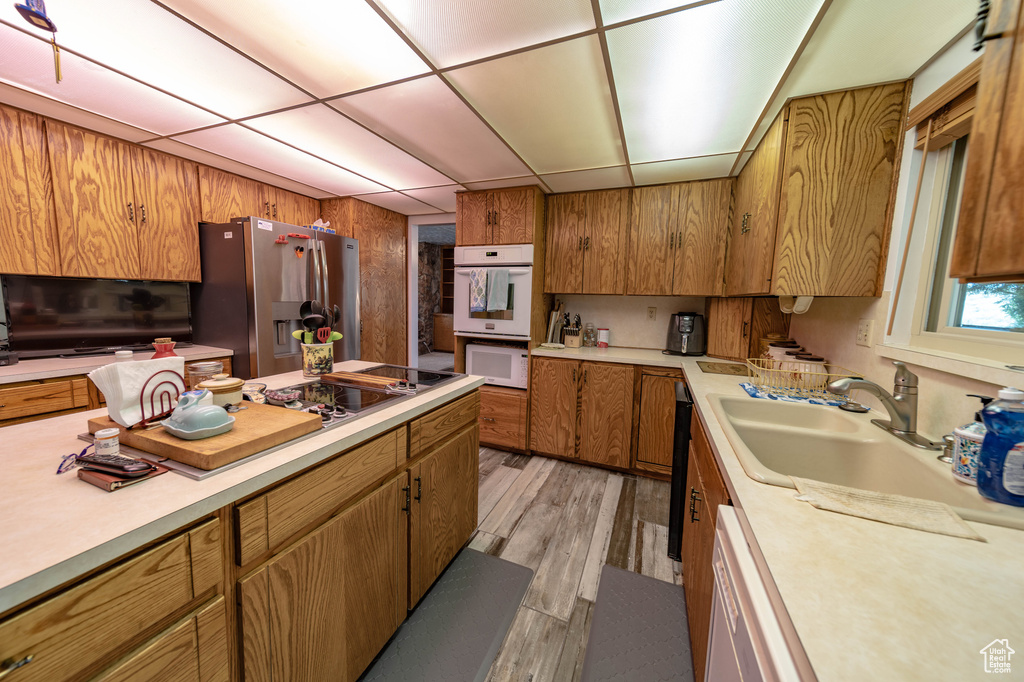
(514, 320)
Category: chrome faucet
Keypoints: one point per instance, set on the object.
(901, 405)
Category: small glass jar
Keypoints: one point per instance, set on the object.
(589, 335)
(198, 372)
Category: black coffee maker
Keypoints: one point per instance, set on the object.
(687, 334)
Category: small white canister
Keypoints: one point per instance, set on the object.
(966, 449)
(106, 441)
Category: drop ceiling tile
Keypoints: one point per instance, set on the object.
(442, 198)
(428, 120)
(458, 31)
(326, 133)
(326, 47)
(30, 101)
(186, 151)
(614, 11)
(506, 182)
(683, 170)
(553, 105)
(27, 62)
(259, 151)
(693, 83)
(153, 45)
(399, 203)
(595, 178)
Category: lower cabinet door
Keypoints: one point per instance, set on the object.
(657, 422)
(324, 608)
(606, 414)
(195, 649)
(444, 507)
(553, 395)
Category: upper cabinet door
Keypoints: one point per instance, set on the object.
(224, 196)
(95, 204)
(748, 268)
(564, 259)
(382, 270)
(472, 219)
(28, 243)
(834, 206)
(606, 242)
(701, 238)
(295, 209)
(167, 191)
(512, 215)
(988, 235)
(651, 238)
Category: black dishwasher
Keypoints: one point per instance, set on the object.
(680, 459)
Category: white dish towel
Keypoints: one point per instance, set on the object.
(478, 290)
(497, 289)
(130, 393)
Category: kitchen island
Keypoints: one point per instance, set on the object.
(67, 540)
(858, 599)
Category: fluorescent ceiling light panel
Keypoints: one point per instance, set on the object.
(614, 11)
(426, 118)
(326, 133)
(597, 178)
(259, 151)
(442, 198)
(500, 184)
(27, 62)
(151, 44)
(325, 46)
(683, 170)
(693, 83)
(553, 105)
(44, 106)
(393, 201)
(454, 32)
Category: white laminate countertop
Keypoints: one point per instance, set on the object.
(58, 527)
(50, 368)
(868, 601)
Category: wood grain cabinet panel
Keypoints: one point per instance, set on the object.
(443, 491)
(737, 325)
(554, 392)
(563, 267)
(656, 426)
(323, 609)
(427, 431)
(472, 219)
(382, 275)
(28, 240)
(224, 196)
(289, 207)
(606, 414)
(167, 194)
(500, 216)
(652, 232)
(702, 233)
(588, 242)
(42, 398)
(95, 203)
(988, 246)
(503, 417)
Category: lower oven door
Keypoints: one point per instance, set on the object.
(513, 320)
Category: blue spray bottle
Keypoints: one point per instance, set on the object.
(1001, 462)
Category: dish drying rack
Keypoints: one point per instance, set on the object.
(796, 378)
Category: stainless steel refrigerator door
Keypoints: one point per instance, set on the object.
(282, 277)
(340, 258)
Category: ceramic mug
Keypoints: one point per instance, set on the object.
(317, 359)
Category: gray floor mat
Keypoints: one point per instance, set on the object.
(454, 634)
(639, 630)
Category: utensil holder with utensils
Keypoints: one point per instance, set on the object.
(317, 359)
(572, 337)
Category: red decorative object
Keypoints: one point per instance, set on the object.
(164, 350)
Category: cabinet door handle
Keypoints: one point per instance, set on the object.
(266, 208)
(142, 211)
(745, 325)
(419, 488)
(131, 212)
(694, 499)
(672, 241)
(574, 376)
(488, 221)
(275, 211)
(745, 224)
(586, 244)
(679, 239)
(405, 489)
(487, 419)
(584, 377)
(11, 664)
(579, 246)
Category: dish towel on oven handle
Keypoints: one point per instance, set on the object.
(497, 289)
(478, 290)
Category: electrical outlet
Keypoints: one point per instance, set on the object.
(652, 313)
(865, 332)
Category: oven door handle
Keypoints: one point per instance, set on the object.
(511, 271)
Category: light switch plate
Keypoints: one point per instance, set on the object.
(865, 332)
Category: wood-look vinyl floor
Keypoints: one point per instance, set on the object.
(565, 521)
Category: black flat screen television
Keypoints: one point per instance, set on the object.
(49, 316)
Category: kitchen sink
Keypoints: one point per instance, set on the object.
(774, 440)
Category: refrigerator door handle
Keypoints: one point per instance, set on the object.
(327, 287)
(317, 274)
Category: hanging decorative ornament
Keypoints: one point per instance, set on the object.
(34, 12)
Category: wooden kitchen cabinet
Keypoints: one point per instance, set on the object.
(737, 325)
(224, 196)
(89, 627)
(678, 237)
(656, 421)
(28, 233)
(322, 609)
(813, 205)
(167, 194)
(443, 507)
(581, 410)
(706, 492)
(500, 216)
(25, 401)
(503, 417)
(588, 238)
(988, 246)
(289, 207)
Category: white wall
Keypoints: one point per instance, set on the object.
(626, 316)
(830, 326)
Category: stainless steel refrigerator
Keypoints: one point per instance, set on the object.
(256, 274)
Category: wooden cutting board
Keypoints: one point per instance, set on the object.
(256, 429)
